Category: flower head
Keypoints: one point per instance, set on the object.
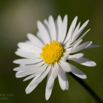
(48, 53)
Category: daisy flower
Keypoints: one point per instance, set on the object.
(48, 54)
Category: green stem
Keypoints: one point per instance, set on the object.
(87, 88)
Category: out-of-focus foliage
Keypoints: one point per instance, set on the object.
(19, 17)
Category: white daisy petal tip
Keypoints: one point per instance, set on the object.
(89, 63)
(14, 69)
(38, 23)
(66, 17)
(75, 19)
(48, 93)
(85, 24)
(87, 21)
(84, 77)
(16, 53)
(27, 91)
(29, 34)
(81, 76)
(50, 17)
(14, 61)
(92, 64)
(59, 18)
(17, 75)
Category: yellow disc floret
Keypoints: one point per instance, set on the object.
(52, 52)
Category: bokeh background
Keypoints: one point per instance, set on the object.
(19, 17)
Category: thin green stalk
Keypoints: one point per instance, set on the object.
(96, 97)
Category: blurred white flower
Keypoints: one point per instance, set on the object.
(49, 54)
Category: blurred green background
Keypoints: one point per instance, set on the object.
(19, 17)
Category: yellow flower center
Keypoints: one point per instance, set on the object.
(52, 52)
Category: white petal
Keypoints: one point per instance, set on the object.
(27, 50)
(59, 28)
(79, 32)
(28, 45)
(46, 24)
(73, 36)
(65, 66)
(62, 79)
(40, 37)
(28, 55)
(76, 44)
(43, 75)
(84, 34)
(64, 28)
(82, 28)
(75, 56)
(55, 69)
(27, 61)
(92, 46)
(67, 85)
(44, 34)
(85, 61)
(33, 84)
(67, 51)
(77, 72)
(50, 80)
(49, 85)
(29, 89)
(35, 40)
(82, 46)
(34, 67)
(71, 29)
(29, 77)
(52, 28)
(65, 57)
(48, 93)
(21, 74)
